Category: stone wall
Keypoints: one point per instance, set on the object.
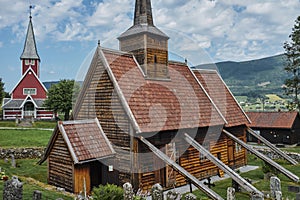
(273, 155)
(22, 153)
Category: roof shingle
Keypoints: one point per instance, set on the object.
(222, 97)
(272, 119)
(163, 105)
(87, 140)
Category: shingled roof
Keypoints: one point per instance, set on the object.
(153, 105)
(222, 97)
(272, 119)
(85, 140)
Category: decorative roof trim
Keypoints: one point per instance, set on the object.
(25, 74)
(105, 137)
(119, 92)
(64, 134)
(206, 93)
(26, 100)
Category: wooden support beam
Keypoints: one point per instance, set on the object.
(263, 157)
(182, 171)
(240, 180)
(271, 146)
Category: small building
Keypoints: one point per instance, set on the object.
(29, 94)
(136, 92)
(276, 127)
(74, 146)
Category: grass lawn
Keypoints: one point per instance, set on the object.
(24, 138)
(28, 168)
(257, 177)
(38, 124)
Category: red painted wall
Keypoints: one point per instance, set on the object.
(34, 67)
(29, 81)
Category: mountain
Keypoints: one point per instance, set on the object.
(262, 76)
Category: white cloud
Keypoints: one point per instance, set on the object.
(226, 29)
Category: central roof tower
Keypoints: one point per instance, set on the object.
(147, 42)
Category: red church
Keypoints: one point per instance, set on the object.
(29, 94)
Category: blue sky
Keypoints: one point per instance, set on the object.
(202, 31)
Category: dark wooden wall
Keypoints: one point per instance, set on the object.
(60, 165)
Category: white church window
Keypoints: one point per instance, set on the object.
(29, 91)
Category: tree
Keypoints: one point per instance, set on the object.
(292, 53)
(60, 97)
(2, 92)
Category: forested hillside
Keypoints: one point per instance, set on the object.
(262, 76)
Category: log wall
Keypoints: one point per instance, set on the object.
(60, 165)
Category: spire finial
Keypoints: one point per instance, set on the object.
(30, 8)
(99, 43)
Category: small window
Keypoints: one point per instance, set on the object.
(29, 91)
(238, 148)
(26, 62)
(32, 62)
(202, 156)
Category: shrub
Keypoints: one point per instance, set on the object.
(107, 192)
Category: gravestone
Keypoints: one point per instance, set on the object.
(173, 195)
(257, 197)
(13, 189)
(157, 192)
(13, 161)
(298, 196)
(278, 195)
(236, 186)
(190, 196)
(230, 193)
(275, 185)
(37, 195)
(128, 191)
(293, 188)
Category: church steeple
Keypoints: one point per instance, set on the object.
(143, 13)
(30, 57)
(148, 44)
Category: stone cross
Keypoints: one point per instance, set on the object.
(275, 185)
(157, 192)
(190, 196)
(13, 189)
(128, 191)
(37, 195)
(230, 193)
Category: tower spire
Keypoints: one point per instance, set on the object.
(30, 50)
(143, 13)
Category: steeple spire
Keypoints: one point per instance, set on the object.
(143, 13)
(30, 50)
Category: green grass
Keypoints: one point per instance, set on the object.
(257, 177)
(28, 168)
(24, 138)
(38, 124)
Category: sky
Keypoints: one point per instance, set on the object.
(202, 31)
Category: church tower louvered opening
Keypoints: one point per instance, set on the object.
(147, 42)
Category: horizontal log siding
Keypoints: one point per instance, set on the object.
(189, 159)
(240, 156)
(60, 165)
(106, 106)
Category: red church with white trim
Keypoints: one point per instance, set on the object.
(29, 94)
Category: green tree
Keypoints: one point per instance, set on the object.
(61, 96)
(2, 92)
(292, 53)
